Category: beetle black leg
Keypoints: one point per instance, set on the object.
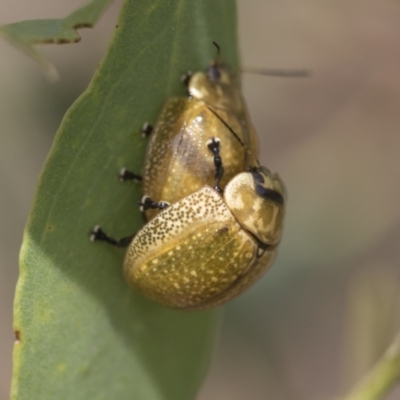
(147, 203)
(213, 146)
(146, 130)
(185, 78)
(126, 175)
(97, 234)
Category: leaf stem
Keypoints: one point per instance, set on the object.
(381, 378)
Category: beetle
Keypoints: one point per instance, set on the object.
(177, 161)
(218, 218)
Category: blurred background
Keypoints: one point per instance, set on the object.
(331, 304)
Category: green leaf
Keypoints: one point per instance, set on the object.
(82, 332)
(372, 321)
(26, 34)
(383, 377)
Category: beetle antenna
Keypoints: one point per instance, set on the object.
(236, 136)
(218, 47)
(218, 56)
(285, 73)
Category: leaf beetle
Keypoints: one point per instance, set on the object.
(177, 161)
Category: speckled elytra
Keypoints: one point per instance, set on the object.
(217, 219)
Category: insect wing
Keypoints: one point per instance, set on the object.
(190, 253)
(256, 270)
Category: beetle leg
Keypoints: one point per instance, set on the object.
(146, 130)
(97, 234)
(126, 175)
(147, 203)
(185, 78)
(213, 146)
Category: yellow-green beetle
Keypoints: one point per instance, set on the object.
(218, 217)
(207, 248)
(177, 161)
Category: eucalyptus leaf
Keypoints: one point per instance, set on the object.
(82, 333)
(26, 34)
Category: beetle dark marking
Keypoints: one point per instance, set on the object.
(146, 130)
(265, 193)
(97, 234)
(147, 203)
(213, 146)
(126, 175)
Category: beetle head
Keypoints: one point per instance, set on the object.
(218, 86)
